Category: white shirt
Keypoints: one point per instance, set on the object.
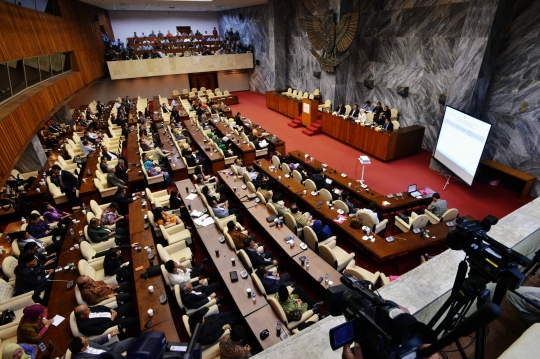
(100, 315)
(113, 156)
(180, 277)
(87, 150)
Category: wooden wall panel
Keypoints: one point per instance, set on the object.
(27, 33)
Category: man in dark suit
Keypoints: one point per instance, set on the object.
(29, 277)
(318, 179)
(196, 298)
(164, 108)
(355, 111)
(388, 125)
(340, 110)
(103, 166)
(67, 182)
(122, 170)
(98, 233)
(82, 348)
(99, 107)
(238, 120)
(99, 318)
(123, 199)
(50, 142)
(110, 155)
(212, 326)
(258, 259)
(270, 283)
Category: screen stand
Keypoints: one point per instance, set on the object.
(449, 178)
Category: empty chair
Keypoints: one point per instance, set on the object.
(341, 205)
(8, 267)
(334, 255)
(364, 274)
(297, 176)
(347, 109)
(275, 161)
(285, 168)
(88, 252)
(176, 233)
(367, 220)
(310, 184)
(394, 114)
(369, 117)
(311, 97)
(415, 221)
(95, 271)
(289, 91)
(324, 193)
(449, 215)
(396, 124)
(326, 106)
(161, 196)
(226, 93)
(316, 92)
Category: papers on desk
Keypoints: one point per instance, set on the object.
(191, 196)
(340, 219)
(196, 213)
(329, 181)
(57, 320)
(386, 203)
(337, 191)
(263, 143)
(204, 220)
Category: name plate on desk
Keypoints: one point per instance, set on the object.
(306, 108)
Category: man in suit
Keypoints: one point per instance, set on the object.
(272, 283)
(123, 199)
(99, 107)
(318, 179)
(193, 299)
(99, 233)
(164, 108)
(368, 106)
(258, 259)
(122, 170)
(82, 348)
(355, 111)
(50, 142)
(388, 125)
(29, 278)
(238, 120)
(67, 182)
(380, 119)
(112, 180)
(99, 318)
(340, 110)
(103, 166)
(212, 326)
(110, 155)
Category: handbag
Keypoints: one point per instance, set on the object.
(356, 222)
(7, 316)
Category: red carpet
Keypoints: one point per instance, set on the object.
(390, 177)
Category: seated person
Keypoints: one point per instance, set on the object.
(53, 215)
(303, 172)
(388, 125)
(437, 206)
(340, 110)
(294, 305)
(113, 264)
(209, 193)
(194, 299)
(162, 219)
(86, 148)
(526, 312)
(103, 166)
(93, 292)
(33, 325)
(387, 112)
(19, 351)
(346, 199)
(110, 155)
(212, 326)
(175, 201)
(82, 348)
(318, 179)
(361, 118)
(368, 107)
(178, 274)
(23, 237)
(355, 111)
(99, 233)
(44, 261)
(237, 236)
(272, 283)
(322, 232)
(28, 278)
(279, 204)
(112, 179)
(257, 258)
(110, 217)
(302, 220)
(230, 346)
(374, 212)
(122, 170)
(379, 120)
(97, 319)
(123, 199)
(223, 211)
(264, 191)
(37, 228)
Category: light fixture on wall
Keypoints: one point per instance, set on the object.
(369, 83)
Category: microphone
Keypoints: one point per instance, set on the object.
(162, 297)
(69, 284)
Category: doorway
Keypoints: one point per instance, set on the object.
(203, 79)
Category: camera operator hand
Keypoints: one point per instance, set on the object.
(356, 352)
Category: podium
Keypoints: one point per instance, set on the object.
(310, 111)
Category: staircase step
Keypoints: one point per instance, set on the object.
(294, 124)
(307, 131)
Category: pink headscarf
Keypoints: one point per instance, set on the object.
(32, 313)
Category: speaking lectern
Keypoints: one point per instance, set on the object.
(309, 111)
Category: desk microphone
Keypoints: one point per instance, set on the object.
(162, 297)
(69, 282)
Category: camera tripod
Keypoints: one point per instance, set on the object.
(464, 292)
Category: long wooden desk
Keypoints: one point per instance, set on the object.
(133, 158)
(216, 160)
(244, 149)
(283, 104)
(287, 183)
(385, 146)
(176, 164)
(234, 182)
(274, 142)
(88, 190)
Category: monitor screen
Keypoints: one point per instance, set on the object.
(461, 142)
(411, 188)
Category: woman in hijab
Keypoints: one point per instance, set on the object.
(53, 215)
(19, 351)
(153, 169)
(33, 324)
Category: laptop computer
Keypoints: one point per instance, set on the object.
(411, 189)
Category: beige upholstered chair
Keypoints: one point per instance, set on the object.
(394, 114)
(289, 91)
(396, 124)
(348, 109)
(364, 274)
(290, 222)
(324, 193)
(449, 215)
(162, 196)
(95, 271)
(310, 184)
(8, 267)
(76, 333)
(89, 253)
(308, 315)
(263, 152)
(208, 351)
(310, 238)
(176, 233)
(341, 205)
(211, 305)
(275, 161)
(415, 221)
(334, 255)
(242, 255)
(297, 176)
(369, 118)
(285, 168)
(175, 251)
(99, 246)
(326, 106)
(259, 285)
(368, 221)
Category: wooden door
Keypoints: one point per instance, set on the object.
(203, 79)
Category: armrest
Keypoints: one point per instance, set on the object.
(176, 228)
(175, 247)
(401, 222)
(97, 265)
(20, 301)
(332, 244)
(326, 241)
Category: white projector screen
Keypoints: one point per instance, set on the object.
(461, 142)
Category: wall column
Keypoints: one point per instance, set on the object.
(33, 158)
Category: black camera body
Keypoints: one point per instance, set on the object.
(381, 328)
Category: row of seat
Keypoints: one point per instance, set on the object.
(298, 95)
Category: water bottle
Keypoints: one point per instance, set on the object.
(278, 327)
(307, 263)
(23, 220)
(253, 295)
(84, 206)
(89, 172)
(326, 277)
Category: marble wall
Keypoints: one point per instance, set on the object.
(33, 157)
(512, 103)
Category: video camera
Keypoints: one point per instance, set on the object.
(381, 328)
(489, 260)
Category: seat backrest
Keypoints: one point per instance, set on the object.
(310, 184)
(297, 176)
(420, 222)
(251, 186)
(311, 97)
(369, 117)
(326, 194)
(290, 222)
(242, 255)
(96, 208)
(275, 161)
(86, 269)
(367, 219)
(247, 177)
(396, 124)
(258, 283)
(87, 251)
(341, 205)
(73, 325)
(261, 197)
(327, 103)
(6, 290)
(272, 209)
(310, 238)
(347, 109)
(394, 112)
(326, 253)
(165, 275)
(278, 309)
(316, 92)
(8, 266)
(78, 296)
(359, 272)
(185, 320)
(285, 168)
(450, 215)
(151, 220)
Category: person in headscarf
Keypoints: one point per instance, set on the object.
(33, 324)
(53, 215)
(19, 351)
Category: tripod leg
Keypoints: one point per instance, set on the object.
(460, 348)
(480, 347)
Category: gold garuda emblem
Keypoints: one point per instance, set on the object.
(334, 40)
